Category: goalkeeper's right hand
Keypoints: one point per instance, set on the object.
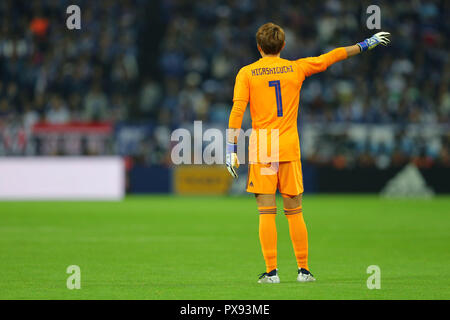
(373, 41)
(231, 160)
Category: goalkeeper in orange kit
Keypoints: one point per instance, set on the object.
(272, 86)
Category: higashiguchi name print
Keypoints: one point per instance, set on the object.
(274, 70)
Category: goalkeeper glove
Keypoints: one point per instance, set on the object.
(373, 41)
(232, 161)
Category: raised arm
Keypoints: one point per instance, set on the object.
(352, 50)
(369, 44)
(314, 65)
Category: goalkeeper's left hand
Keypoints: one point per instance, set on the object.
(231, 160)
(373, 41)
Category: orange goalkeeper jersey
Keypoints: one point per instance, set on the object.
(272, 86)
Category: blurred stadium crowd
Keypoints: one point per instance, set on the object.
(383, 108)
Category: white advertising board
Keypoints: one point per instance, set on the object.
(62, 178)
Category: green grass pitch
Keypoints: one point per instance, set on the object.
(169, 247)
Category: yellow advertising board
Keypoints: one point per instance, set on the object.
(201, 179)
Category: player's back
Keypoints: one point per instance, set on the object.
(272, 86)
(274, 92)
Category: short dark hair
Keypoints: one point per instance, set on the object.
(270, 38)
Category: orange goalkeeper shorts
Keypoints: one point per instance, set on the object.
(267, 178)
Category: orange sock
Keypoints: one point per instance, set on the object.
(268, 236)
(299, 235)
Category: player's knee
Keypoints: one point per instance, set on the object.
(265, 200)
(292, 201)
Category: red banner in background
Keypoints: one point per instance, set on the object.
(74, 127)
(73, 138)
